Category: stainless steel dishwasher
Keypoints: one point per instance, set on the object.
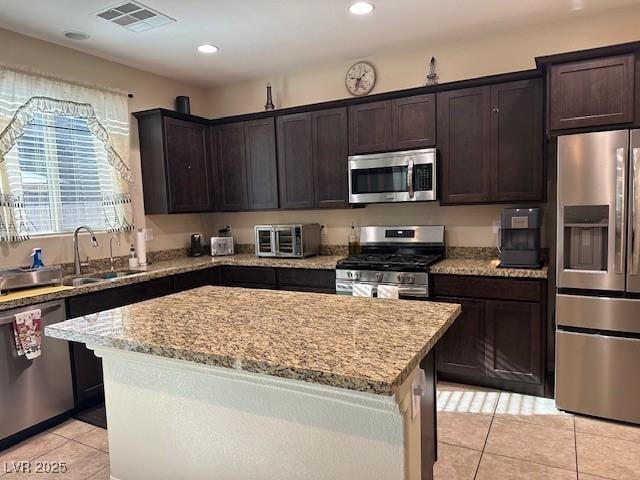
(32, 391)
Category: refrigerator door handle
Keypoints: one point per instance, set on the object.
(634, 201)
(621, 156)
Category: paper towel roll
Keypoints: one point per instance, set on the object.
(141, 248)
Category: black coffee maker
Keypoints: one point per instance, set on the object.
(195, 249)
(520, 238)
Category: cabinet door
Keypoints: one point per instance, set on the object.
(230, 159)
(463, 139)
(262, 173)
(461, 349)
(330, 158)
(517, 170)
(295, 161)
(370, 128)
(514, 340)
(414, 121)
(590, 93)
(187, 165)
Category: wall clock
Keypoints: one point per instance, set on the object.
(360, 79)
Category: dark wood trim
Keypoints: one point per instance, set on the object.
(544, 62)
(347, 102)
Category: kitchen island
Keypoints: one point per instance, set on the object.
(232, 383)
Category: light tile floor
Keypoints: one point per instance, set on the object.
(82, 447)
(487, 434)
(483, 435)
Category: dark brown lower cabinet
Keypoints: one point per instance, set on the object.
(307, 280)
(496, 342)
(513, 349)
(86, 367)
(461, 349)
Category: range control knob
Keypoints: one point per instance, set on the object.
(410, 279)
(356, 275)
(379, 276)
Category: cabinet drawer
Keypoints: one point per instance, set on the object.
(189, 280)
(307, 280)
(251, 276)
(117, 297)
(480, 287)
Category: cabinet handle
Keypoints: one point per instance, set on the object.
(188, 167)
(496, 110)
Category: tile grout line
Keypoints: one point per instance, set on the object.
(532, 462)
(484, 445)
(91, 446)
(99, 471)
(575, 446)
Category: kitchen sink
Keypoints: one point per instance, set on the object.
(98, 277)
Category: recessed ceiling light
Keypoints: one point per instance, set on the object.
(361, 8)
(208, 48)
(577, 5)
(73, 35)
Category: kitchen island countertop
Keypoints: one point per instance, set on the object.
(361, 344)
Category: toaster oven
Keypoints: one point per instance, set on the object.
(287, 241)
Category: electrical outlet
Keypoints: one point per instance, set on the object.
(148, 234)
(323, 229)
(496, 226)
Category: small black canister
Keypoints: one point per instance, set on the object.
(182, 104)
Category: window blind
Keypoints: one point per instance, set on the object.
(62, 172)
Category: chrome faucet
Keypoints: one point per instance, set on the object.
(94, 243)
(111, 259)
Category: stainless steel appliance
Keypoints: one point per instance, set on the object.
(287, 241)
(33, 390)
(16, 278)
(396, 256)
(598, 275)
(221, 246)
(408, 176)
(520, 238)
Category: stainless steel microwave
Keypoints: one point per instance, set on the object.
(408, 176)
(287, 241)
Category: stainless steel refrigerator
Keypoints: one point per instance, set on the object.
(598, 275)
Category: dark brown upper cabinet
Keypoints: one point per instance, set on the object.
(404, 123)
(312, 159)
(262, 174)
(591, 93)
(414, 121)
(176, 174)
(231, 167)
(491, 143)
(295, 161)
(245, 160)
(517, 141)
(330, 158)
(464, 145)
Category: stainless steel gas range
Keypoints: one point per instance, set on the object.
(396, 256)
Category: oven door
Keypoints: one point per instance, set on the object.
(393, 177)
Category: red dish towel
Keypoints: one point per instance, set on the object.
(27, 329)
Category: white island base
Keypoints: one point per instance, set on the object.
(174, 419)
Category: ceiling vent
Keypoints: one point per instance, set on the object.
(135, 17)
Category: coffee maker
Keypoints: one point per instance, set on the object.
(520, 238)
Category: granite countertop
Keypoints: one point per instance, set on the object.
(174, 267)
(486, 268)
(362, 344)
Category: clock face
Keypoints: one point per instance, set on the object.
(360, 78)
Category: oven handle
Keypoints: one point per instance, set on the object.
(8, 320)
(410, 178)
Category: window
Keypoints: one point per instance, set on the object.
(62, 172)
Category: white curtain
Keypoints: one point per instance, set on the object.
(23, 95)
